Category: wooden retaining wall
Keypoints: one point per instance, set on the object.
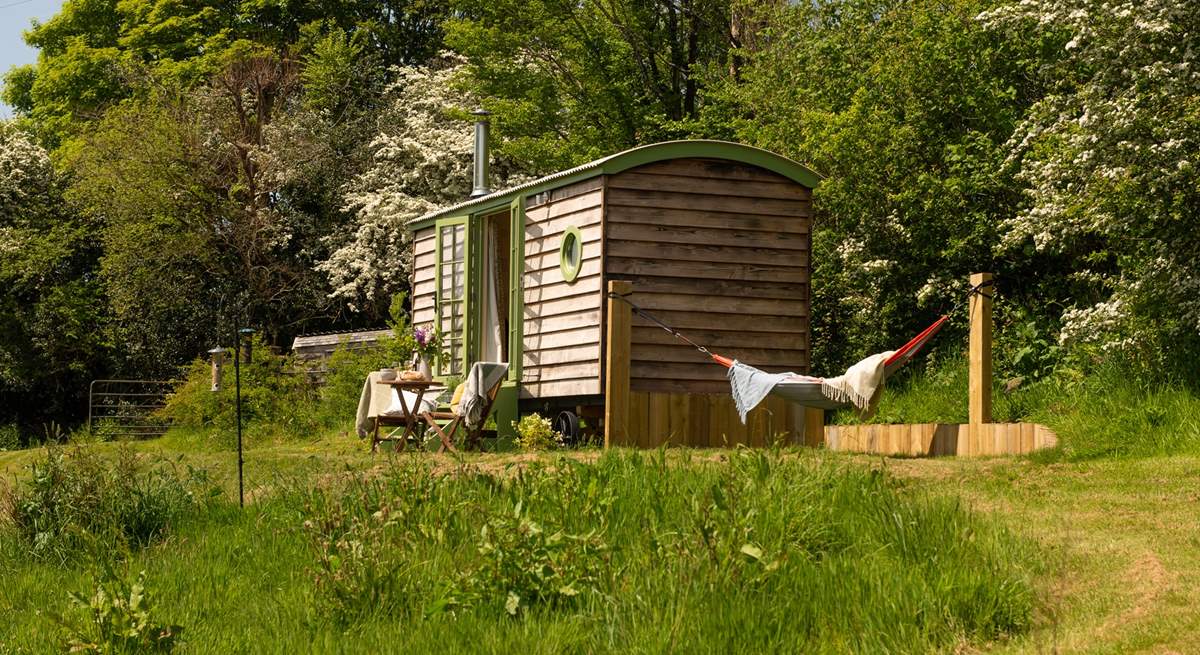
(647, 419)
(934, 439)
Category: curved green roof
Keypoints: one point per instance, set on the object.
(632, 158)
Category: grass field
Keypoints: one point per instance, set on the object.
(806, 552)
(643, 552)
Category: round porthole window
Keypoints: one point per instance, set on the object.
(570, 253)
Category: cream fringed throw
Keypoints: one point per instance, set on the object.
(859, 384)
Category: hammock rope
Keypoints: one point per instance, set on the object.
(901, 356)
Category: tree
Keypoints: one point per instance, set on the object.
(421, 160)
(1108, 160)
(573, 81)
(199, 230)
(904, 107)
(94, 53)
(52, 302)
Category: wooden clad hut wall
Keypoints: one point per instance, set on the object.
(562, 320)
(423, 266)
(720, 251)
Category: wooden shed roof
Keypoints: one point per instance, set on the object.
(335, 338)
(627, 159)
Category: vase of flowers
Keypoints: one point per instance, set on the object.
(425, 350)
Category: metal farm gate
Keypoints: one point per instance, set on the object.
(125, 408)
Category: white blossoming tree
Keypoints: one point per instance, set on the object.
(421, 160)
(51, 301)
(1108, 157)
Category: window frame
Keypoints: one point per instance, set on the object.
(442, 367)
(570, 270)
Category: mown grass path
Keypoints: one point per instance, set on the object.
(1125, 538)
(1124, 535)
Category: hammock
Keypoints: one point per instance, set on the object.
(855, 388)
(823, 393)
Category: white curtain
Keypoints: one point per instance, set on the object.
(493, 337)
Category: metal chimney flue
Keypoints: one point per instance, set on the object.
(482, 185)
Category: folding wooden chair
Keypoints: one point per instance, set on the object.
(448, 424)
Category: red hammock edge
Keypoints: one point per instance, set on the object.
(902, 355)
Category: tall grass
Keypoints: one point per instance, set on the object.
(1113, 414)
(75, 502)
(643, 552)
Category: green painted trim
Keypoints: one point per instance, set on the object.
(516, 290)
(474, 271)
(437, 287)
(506, 408)
(570, 270)
(634, 157)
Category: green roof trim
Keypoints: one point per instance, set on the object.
(623, 161)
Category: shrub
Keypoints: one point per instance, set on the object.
(118, 618)
(537, 433)
(356, 572)
(275, 395)
(278, 400)
(75, 500)
(526, 562)
(10, 437)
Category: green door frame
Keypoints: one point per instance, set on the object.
(516, 289)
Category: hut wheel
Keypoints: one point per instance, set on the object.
(567, 424)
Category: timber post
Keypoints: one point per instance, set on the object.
(980, 385)
(616, 371)
(813, 422)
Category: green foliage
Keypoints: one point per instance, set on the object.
(118, 618)
(75, 502)
(95, 53)
(280, 401)
(525, 563)
(1110, 411)
(743, 553)
(534, 432)
(276, 399)
(359, 568)
(197, 166)
(52, 301)
(340, 73)
(10, 437)
(904, 107)
(572, 82)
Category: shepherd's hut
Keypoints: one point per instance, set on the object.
(710, 237)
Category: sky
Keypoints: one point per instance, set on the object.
(15, 17)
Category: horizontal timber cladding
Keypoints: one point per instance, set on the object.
(422, 294)
(562, 326)
(719, 250)
(708, 420)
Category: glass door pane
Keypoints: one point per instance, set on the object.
(451, 294)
